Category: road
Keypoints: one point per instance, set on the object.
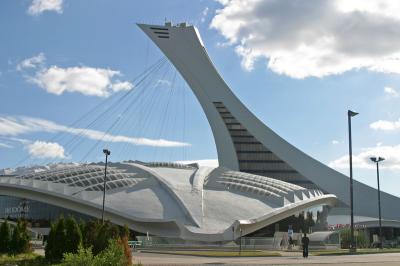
(388, 259)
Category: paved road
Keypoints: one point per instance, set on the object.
(388, 259)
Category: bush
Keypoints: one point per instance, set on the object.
(361, 238)
(50, 243)
(20, 239)
(86, 239)
(127, 250)
(58, 242)
(84, 257)
(5, 237)
(73, 236)
(112, 255)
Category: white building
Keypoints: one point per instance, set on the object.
(261, 179)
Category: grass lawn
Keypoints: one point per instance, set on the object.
(27, 259)
(359, 251)
(221, 253)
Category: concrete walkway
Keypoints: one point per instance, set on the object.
(388, 259)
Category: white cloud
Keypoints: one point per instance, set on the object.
(121, 86)
(42, 149)
(204, 14)
(86, 80)
(313, 38)
(39, 6)
(5, 145)
(32, 62)
(335, 142)
(202, 162)
(385, 125)
(163, 82)
(391, 91)
(362, 160)
(13, 126)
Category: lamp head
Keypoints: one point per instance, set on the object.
(377, 160)
(351, 113)
(106, 152)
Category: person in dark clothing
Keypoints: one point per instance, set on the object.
(305, 241)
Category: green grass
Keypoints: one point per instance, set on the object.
(218, 253)
(26, 259)
(359, 251)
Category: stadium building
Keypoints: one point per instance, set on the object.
(261, 178)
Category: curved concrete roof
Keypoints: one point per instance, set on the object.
(171, 200)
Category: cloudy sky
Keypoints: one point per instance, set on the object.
(72, 82)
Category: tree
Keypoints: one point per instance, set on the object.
(105, 232)
(90, 233)
(5, 237)
(50, 242)
(59, 240)
(302, 222)
(74, 236)
(309, 222)
(361, 238)
(19, 238)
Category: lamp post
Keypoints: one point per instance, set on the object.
(107, 153)
(240, 242)
(353, 247)
(377, 160)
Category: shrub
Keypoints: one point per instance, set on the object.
(50, 243)
(84, 257)
(59, 240)
(19, 239)
(73, 235)
(112, 255)
(361, 238)
(127, 250)
(5, 237)
(105, 232)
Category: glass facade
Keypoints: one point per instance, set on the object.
(38, 213)
(254, 157)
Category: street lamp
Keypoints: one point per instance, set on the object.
(353, 247)
(377, 160)
(240, 243)
(107, 153)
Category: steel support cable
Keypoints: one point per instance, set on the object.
(166, 121)
(184, 120)
(119, 102)
(107, 112)
(135, 119)
(165, 114)
(146, 118)
(138, 87)
(25, 158)
(113, 124)
(154, 107)
(177, 125)
(113, 97)
(129, 113)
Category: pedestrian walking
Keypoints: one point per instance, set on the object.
(305, 241)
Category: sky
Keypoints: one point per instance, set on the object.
(79, 76)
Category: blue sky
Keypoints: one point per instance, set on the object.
(298, 72)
